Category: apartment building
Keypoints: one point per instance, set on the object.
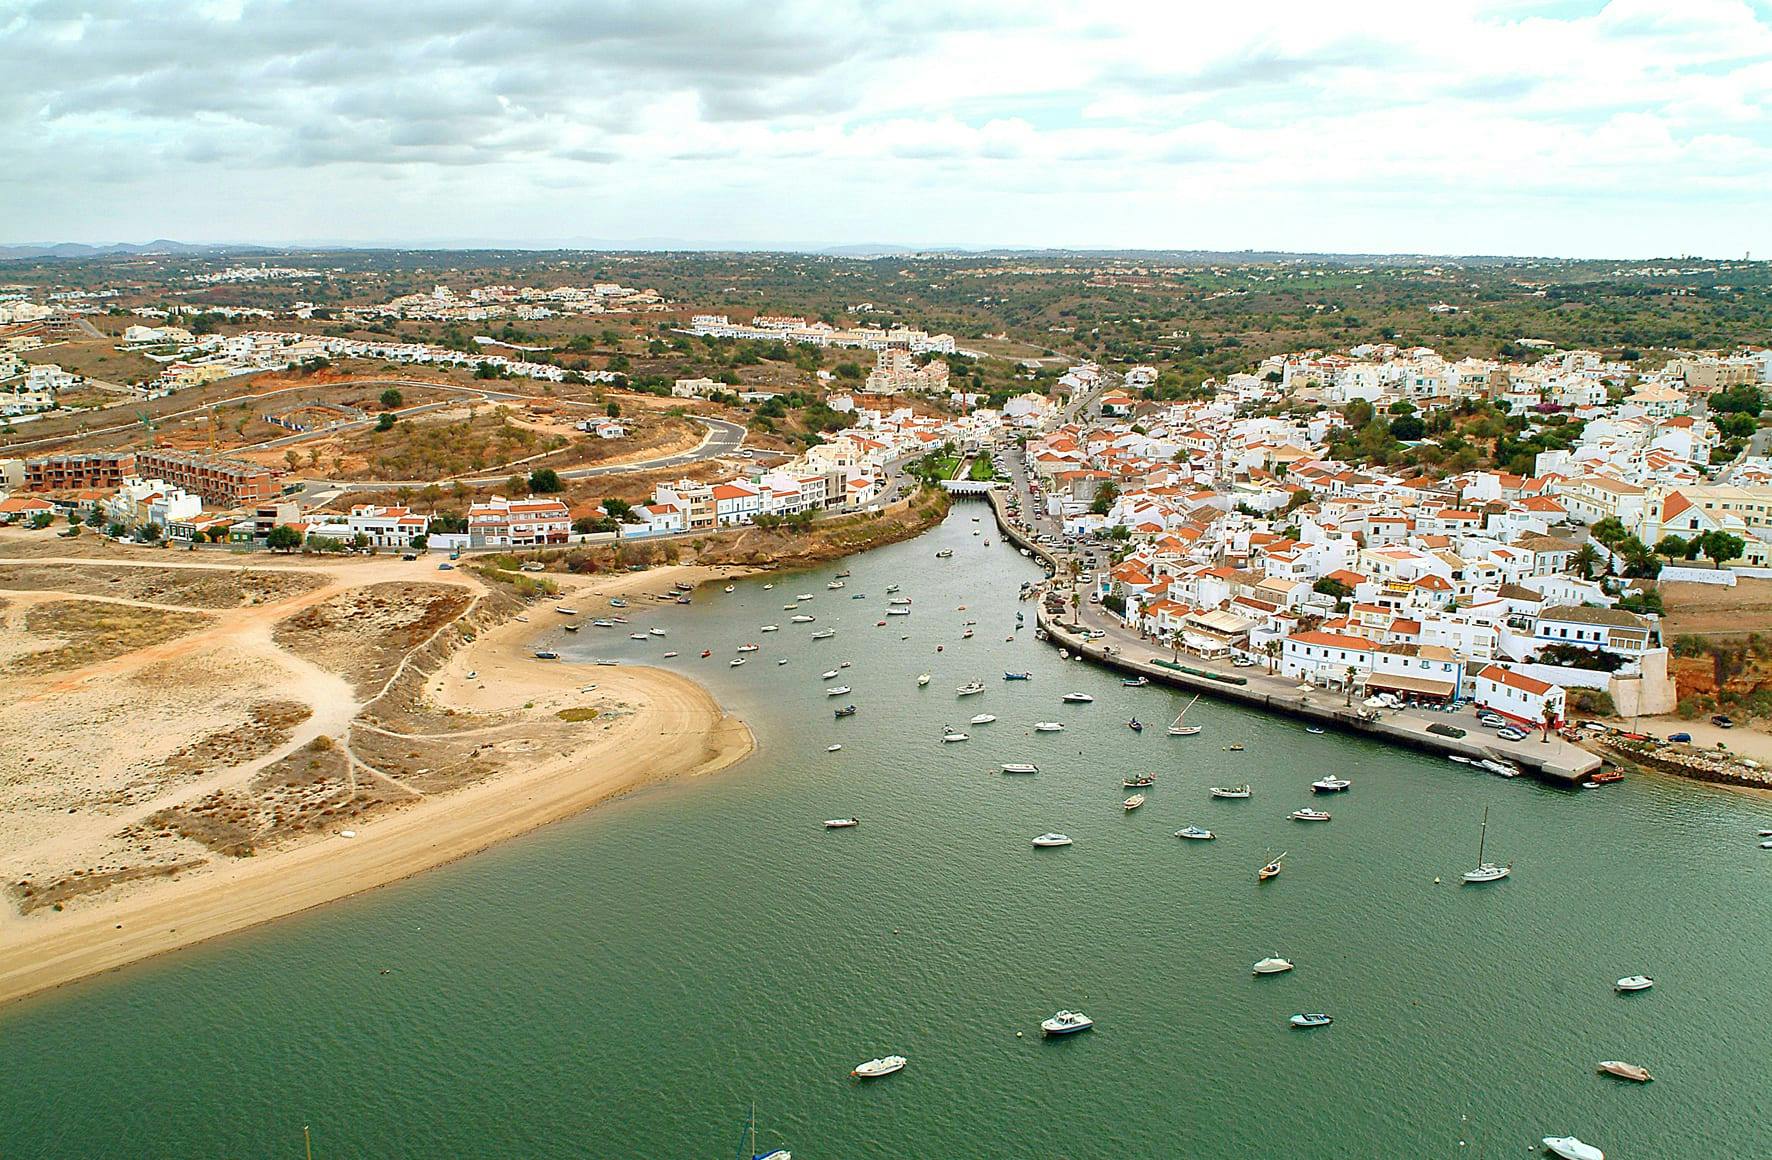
(508, 523)
(80, 471)
(224, 483)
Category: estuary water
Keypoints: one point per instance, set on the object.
(625, 984)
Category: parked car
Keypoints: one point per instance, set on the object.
(1722, 721)
(1510, 733)
(1680, 738)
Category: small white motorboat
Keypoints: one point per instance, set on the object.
(1045, 840)
(1311, 1019)
(735, 662)
(748, 648)
(636, 636)
(836, 690)
(802, 618)
(875, 1068)
(891, 588)
(602, 623)
(1021, 767)
(969, 689)
(669, 655)
(1330, 784)
(1315, 729)
(731, 588)
(1235, 791)
(563, 610)
(834, 585)
(1273, 965)
(1309, 815)
(841, 823)
(804, 596)
(656, 631)
(1066, 1023)
(1077, 698)
(770, 628)
(1460, 759)
(1196, 833)
(1048, 727)
(779, 660)
(983, 719)
(789, 607)
(1633, 983)
(951, 736)
(922, 679)
(1132, 802)
(832, 748)
(824, 634)
(1625, 1070)
(829, 676)
(1571, 1148)
(767, 587)
(898, 612)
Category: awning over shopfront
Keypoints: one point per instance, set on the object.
(1416, 686)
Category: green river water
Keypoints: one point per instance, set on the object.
(626, 983)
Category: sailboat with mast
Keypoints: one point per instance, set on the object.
(1177, 729)
(747, 1143)
(1486, 871)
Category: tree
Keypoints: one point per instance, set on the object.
(1721, 547)
(1105, 495)
(283, 538)
(1609, 531)
(1329, 586)
(391, 399)
(613, 410)
(1671, 546)
(386, 422)
(1550, 722)
(1407, 428)
(544, 481)
(1273, 649)
(618, 509)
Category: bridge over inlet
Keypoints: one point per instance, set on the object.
(968, 486)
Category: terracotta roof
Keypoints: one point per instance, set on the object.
(1516, 680)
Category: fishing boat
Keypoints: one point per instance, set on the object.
(898, 612)
(802, 618)
(1077, 699)
(767, 587)
(858, 596)
(770, 628)
(1018, 676)
(969, 688)
(1066, 1023)
(845, 711)
(1330, 784)
(546, 654)
(735, 662)
(1138, 780)
(841, 823)
(636, 636)
(1177, 729)
(922, 679)
(902, 600)
(749, 648)
(983, 719)
(1273, 965)
(600, 623)
(789, 607)
(1317, 729)
(706, 653)
(967, 635)
(945, 554)
(1486, 871)
(1021, 767)
(1607, 776)
(563, 610)
(1135, 725)
(804, 596)
(844, 574)
(1500, 768)
(1310, 1019)
(1633, 983)
(1048, 727)
(1625, 1070)
(828, 675)
(834, 585)
(1234, 747)
(751, 1150)
(875, 1068)
(1047, 840)
(1460, 759)
(891, 588)
(1571, 1148)
(669, 655)
(1309, 815)
(1196, 833)
(1132, 802)
(824, 634)
(617, 602)
(1269, 870)
(832, 748)
(1135, 682)
(836, 690)
(730, 588)
(1235, 791)
(951, 736)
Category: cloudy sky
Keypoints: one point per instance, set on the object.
(1631, 128)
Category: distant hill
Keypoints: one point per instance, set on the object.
(82, 250)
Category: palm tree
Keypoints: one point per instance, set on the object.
(1273, 649)
(1550, 721)
(1585, 559)
(1351, 673)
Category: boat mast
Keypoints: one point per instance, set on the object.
(1184, 710)
(1483, 838)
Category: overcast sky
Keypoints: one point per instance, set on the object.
(1632, 128)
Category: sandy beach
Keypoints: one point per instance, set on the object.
(644, 725)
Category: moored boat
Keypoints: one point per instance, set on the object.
(875, 1068)
(1066, 1023)
(1330, 784)
(748, 648)
(546, 654)
(1310, 1019)
(735, 662)
(1625, 1070)
(951, 736)
(824, 634)
(770, 628)
(1196, 833)
(1020, 767)
(1309, 815)
(1633, 983)
(1571, 1148)
(841, 823)
(982, 719)
(1272, 965)
(1135, 682)
(1132, 802)
(1018, 676)
(1234, 791)
(845, 711)
(922, 679)
(1077, 698)
(968, 689)
(1047, 840)
(1269, 870)
(836, 690)
(802, 618)
(1486, 871)
(1138, 780)
(1048, 727)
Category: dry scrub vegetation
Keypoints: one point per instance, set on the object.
(364, 633)
(191, 587)
(86, 632)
